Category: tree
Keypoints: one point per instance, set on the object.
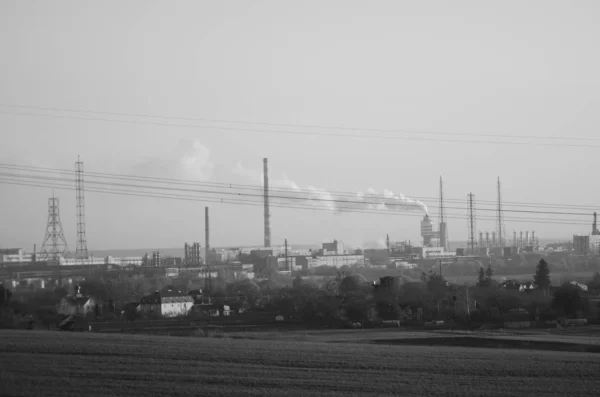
(567, 300)
(388, 310)
(489, 273)
(5, 295)
(481, 280)
(541, 278)
(351, 284)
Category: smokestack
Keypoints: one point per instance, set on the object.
(595, 226)
(387, 243)
(33, 259)
(266, 199)
(206, 235)
(287, 266)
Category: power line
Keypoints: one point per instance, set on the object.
(259, 204)
(310, 126)
(299, 198)
(304, 133)
(274, 189)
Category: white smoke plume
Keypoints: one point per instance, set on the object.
(288, 192)
(188, 159)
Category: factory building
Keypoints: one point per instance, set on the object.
(581, 245)
(436, 253)
(192, 254)
(594, 244)
(15, 255)
(336, 261)
(335, 248)
(427, 232)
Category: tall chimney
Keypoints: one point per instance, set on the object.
(206, 235)
(594, 226)
(287, 266)
(266, 199)
(33, 259)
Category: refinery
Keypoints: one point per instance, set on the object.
(258, 262)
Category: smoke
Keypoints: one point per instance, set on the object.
(286, 191)
(188, 159)
(379, 244)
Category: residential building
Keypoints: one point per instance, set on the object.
(77, 304)
(167, 303)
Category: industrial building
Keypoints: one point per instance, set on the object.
(336, 261)
(334, 248)
(436, 253)
(588, 244)
(15, 255)
(192, 255)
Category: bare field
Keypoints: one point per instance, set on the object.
(72, 364)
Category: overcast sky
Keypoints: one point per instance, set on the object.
(503, 68)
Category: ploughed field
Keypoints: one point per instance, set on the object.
(88, 364)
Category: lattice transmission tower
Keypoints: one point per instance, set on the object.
(81, 250)
(55, 245)
(472, 222)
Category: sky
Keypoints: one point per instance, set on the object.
(404, 77)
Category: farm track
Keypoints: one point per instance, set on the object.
(72, 364)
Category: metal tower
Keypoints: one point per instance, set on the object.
(472, 225)
(81, 250)
(443, 240)
(500, 219)
(55, 245)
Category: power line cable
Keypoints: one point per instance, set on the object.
(259, 204)
(304, 133)
(387, 202)
(274, 189)
(310, 126)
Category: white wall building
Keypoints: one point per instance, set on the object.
(166, 303)
(436, 253)
(15, 255)
(595, 244)
(336, 261)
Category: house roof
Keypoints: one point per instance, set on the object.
(166, 296)
(77, 300)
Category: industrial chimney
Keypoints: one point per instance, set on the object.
(266, 200)
(595, 231)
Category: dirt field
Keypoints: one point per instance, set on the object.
(75, 364)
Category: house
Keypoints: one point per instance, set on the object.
(517, 318)
(77, 304)
(166, 303)
(213, 309)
